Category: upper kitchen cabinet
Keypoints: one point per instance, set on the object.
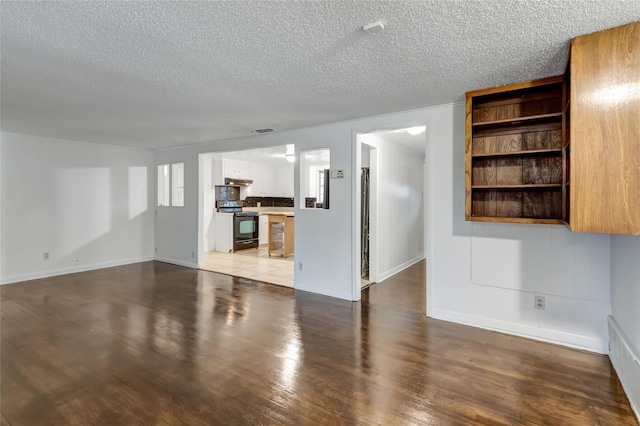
(236, 169)
(263, 176)
(514, 153)
(604, 170)
(284, 180)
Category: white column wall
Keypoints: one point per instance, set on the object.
(88, 205)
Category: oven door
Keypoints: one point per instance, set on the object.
(245, 232)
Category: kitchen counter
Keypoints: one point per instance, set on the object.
(286, 214)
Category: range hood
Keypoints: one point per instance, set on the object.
(237, 182)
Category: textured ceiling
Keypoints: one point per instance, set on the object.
(160, 74)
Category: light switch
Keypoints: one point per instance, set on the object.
(338, 174)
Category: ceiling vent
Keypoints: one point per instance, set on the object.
(267, 130)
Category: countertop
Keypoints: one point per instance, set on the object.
(288, 214)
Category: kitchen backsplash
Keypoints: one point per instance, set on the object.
(268, 201)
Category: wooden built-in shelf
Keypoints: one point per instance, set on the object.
(514, 153)
(517, 220)
(544, 186)
(516, 121)
(532, 152)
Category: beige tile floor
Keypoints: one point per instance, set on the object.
(254, 264)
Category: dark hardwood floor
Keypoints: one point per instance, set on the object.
(153, 343)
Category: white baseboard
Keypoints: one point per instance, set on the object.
(192, 265)
(391, 272)
(626, 362)
(324, 291)
(588, 343)
(72, 270)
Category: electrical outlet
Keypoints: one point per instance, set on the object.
(539, 302)
(45, 255)
(299, 266)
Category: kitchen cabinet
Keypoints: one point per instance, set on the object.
(237, 169)
(284, 181)
(263, 180)
(223, 232)
(564, 149)
(604, 182)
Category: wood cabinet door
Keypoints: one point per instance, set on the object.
(605, 131)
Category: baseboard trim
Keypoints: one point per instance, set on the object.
(626, 363)
(72, 270)
(572, 340)
(324, 291)
(391, 272)
(192, 265)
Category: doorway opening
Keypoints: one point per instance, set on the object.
(390, 219)
(242, 193)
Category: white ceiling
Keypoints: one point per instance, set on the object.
(160, 74)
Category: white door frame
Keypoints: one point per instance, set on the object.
(356, 206)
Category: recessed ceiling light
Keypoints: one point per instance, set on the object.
(415, 130)
(267, 130)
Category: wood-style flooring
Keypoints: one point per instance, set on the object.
(157, 344)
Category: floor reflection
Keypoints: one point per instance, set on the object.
(153, 343)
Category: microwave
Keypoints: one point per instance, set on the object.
(227, 193)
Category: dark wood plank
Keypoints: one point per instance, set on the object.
(508, 171)
(508, 203)
(484, 172)
(152, 343)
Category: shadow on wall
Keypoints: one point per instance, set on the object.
(95, 216)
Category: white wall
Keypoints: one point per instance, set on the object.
(486, 274)
(208, 205)
(328, 245)
(625, 286)
(625, 301)
(88, 205)
(399, 209)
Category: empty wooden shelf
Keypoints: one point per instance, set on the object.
(514, 152)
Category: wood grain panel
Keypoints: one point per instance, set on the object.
(605, 131)
(508, 143)
(484, 203)
(468, 161)
(497, 131)
(484, 172)
(508, 203)
(542, 170)
(502, 112)
(543, 106)
(542, 204)
(492, 144)
(508, 171)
